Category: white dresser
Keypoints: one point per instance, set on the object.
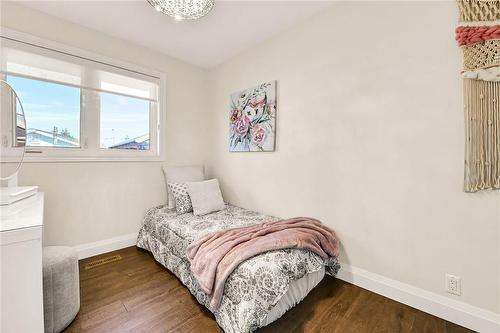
(21, 307)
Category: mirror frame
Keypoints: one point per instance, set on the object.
(20, 162)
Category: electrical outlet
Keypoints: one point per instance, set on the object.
(453, 284)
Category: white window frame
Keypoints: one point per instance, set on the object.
(89, 149)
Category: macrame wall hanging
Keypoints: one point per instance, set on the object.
(478, 34)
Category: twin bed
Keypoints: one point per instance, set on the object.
(259, 290)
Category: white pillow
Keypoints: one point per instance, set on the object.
(206, 197)
(181, 174)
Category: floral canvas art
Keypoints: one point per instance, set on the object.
(252, 120)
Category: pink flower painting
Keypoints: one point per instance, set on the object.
(252, 119)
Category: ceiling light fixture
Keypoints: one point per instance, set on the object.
(183, 9)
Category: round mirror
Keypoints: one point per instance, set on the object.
(12, 131)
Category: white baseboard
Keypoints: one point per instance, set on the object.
(449, 309)
(106, 245)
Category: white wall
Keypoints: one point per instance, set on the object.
(370, 140)
(87, 202)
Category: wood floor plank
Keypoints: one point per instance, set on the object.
(202, 322)
(136, 294)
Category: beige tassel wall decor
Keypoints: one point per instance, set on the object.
(478, 34)
(482, 135)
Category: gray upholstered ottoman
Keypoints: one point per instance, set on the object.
(61, 287)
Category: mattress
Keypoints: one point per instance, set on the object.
(259, 290)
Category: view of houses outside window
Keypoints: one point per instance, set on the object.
(53, 116)
(124, 122)
(52, 112)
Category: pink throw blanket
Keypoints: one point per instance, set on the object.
(214, 256)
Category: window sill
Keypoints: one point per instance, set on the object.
(59, 159)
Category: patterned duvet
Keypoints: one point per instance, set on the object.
(253, 288)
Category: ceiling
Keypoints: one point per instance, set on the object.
(230, 28)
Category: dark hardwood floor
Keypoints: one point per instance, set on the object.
(136, 294)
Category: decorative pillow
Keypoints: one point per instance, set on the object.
(206, 196)
(181, 174)
(181, 197)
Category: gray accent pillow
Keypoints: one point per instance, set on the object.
(181, 174)
(181, 197)
(206, 197)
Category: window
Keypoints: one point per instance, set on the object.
(124, 122)
(80, 106)
(52, 112)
